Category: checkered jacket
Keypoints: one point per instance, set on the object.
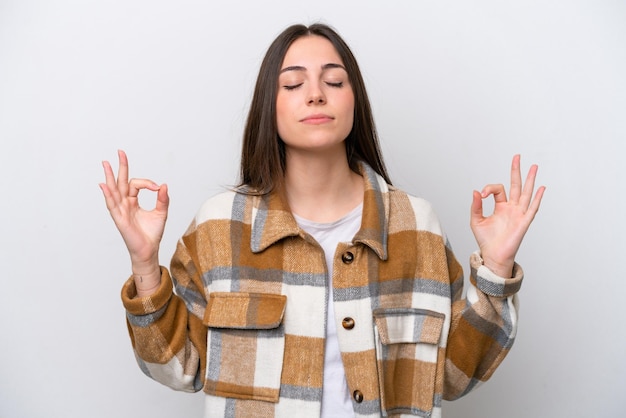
(247, 321)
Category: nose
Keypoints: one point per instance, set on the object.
(316, 95)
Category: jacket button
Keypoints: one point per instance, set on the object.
(347, 257)
(347, 323)
(357, 395)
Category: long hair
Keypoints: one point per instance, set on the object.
(263, 152)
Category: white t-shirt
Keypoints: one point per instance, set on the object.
(336, 401)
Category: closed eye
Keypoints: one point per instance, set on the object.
(292, 86)
(338, 84)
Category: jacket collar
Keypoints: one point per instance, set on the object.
(272, 220)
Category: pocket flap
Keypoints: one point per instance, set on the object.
(242, 310)
(407, 325)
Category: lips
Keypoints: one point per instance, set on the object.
(317, 119)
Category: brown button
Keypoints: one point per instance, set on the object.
(347, 257)
(347, 323)
(357, 395)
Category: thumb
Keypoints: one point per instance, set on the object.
(163, 199)
(476, 213)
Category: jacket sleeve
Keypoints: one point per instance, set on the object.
(166, 330)
(483, 325)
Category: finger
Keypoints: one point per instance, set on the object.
(534, 205)
(529, 186)
(110, 181)
(108, 197)
(516, 180)
(497, 190)
(122, 173)
(115, 210)
(135, 185)
(476, 211)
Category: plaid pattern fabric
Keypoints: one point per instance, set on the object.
(247, 321)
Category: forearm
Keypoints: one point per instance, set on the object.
(483, 328)
(169, 342)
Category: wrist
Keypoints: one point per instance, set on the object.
(145, 267)
(502, 269)
(146, 289)
(147, 279)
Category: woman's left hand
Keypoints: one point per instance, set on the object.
(500, 234)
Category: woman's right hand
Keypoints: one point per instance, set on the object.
(141, 229)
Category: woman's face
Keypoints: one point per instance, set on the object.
(315, 102)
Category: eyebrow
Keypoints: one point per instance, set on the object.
(301, 68)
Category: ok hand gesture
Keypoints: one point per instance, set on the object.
(500, 234)
(141, 229)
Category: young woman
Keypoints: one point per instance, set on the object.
(315, 288)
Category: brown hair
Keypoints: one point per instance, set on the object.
(263, 152)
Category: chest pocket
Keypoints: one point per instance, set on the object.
(245, 345)
(407, 348)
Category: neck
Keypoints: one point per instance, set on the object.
(321, 188)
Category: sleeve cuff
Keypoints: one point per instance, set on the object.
(149, 304)
(490, 283)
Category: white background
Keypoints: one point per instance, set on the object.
(457, 88)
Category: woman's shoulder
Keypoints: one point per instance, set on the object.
(220, 206)
(409, 209)
(419, 204)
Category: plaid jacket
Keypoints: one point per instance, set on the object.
(247, 321)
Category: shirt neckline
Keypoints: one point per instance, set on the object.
(354, 213)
